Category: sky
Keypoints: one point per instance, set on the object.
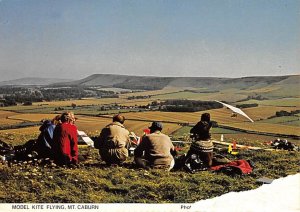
(73, 39)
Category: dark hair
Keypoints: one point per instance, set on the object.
(205, 117)
(156, 126)
(119, 118)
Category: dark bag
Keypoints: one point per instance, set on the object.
(5, 148)
(7, 152)
(193, 163)
(284, 144)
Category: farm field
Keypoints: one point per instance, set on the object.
(228, 95)
(88, 106)
(286, 102)
(91, 125)
(220, 115)
(286, 120)
(4, 120)
(267, 127)
(32, 117)
(137, 121)
(154, 92)
(66, 103)
(264, 112)
(263, 90)
(4, 114)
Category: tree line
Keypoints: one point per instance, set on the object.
(14, 95)
(188, 105)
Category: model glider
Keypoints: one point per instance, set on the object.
(84, 139)
(236, 110)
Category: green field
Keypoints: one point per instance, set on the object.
(229, 95)
(286, 102)
(286, 120)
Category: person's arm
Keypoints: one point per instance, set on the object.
(172, 149)
(74, 146)
(128, 140)
(193, 131)
(100, 140)
(138, 152)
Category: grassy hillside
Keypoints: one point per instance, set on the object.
(210, 83)
(93, 182)
(34, 81)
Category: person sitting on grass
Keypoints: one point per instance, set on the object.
(202, 146)
(45, 140)
(155, 150)
(114, 141)
(40, 148)
(65, 141)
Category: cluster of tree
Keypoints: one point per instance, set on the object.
(286, 113)
(14, 95)
(255, 96)
(188, 105)
(201, 91)
(138, 97)
(247, 105)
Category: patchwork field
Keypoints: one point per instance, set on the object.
(4, 118)
(166, 90)
(220, 115)
(227, 95)
(286, 102)
(137, 121)
(264, 112)
(267, 127)
(286, 120)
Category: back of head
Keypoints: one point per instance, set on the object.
(119, 118)
(72, 117)
(156, 126)
(65, 117)
(56, 119)
(205, 117)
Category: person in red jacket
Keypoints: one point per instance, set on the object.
(65, 141)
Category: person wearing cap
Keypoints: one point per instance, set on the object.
(202, 145)
(114, 141)
(65, 141)
(155, 150)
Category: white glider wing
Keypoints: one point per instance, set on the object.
(236, 110)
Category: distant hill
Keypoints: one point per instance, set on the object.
(153, 83)
(33, 81)
(267, 86)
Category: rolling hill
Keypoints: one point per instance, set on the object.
(32, 81)
(209, 83)
(267, 86)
